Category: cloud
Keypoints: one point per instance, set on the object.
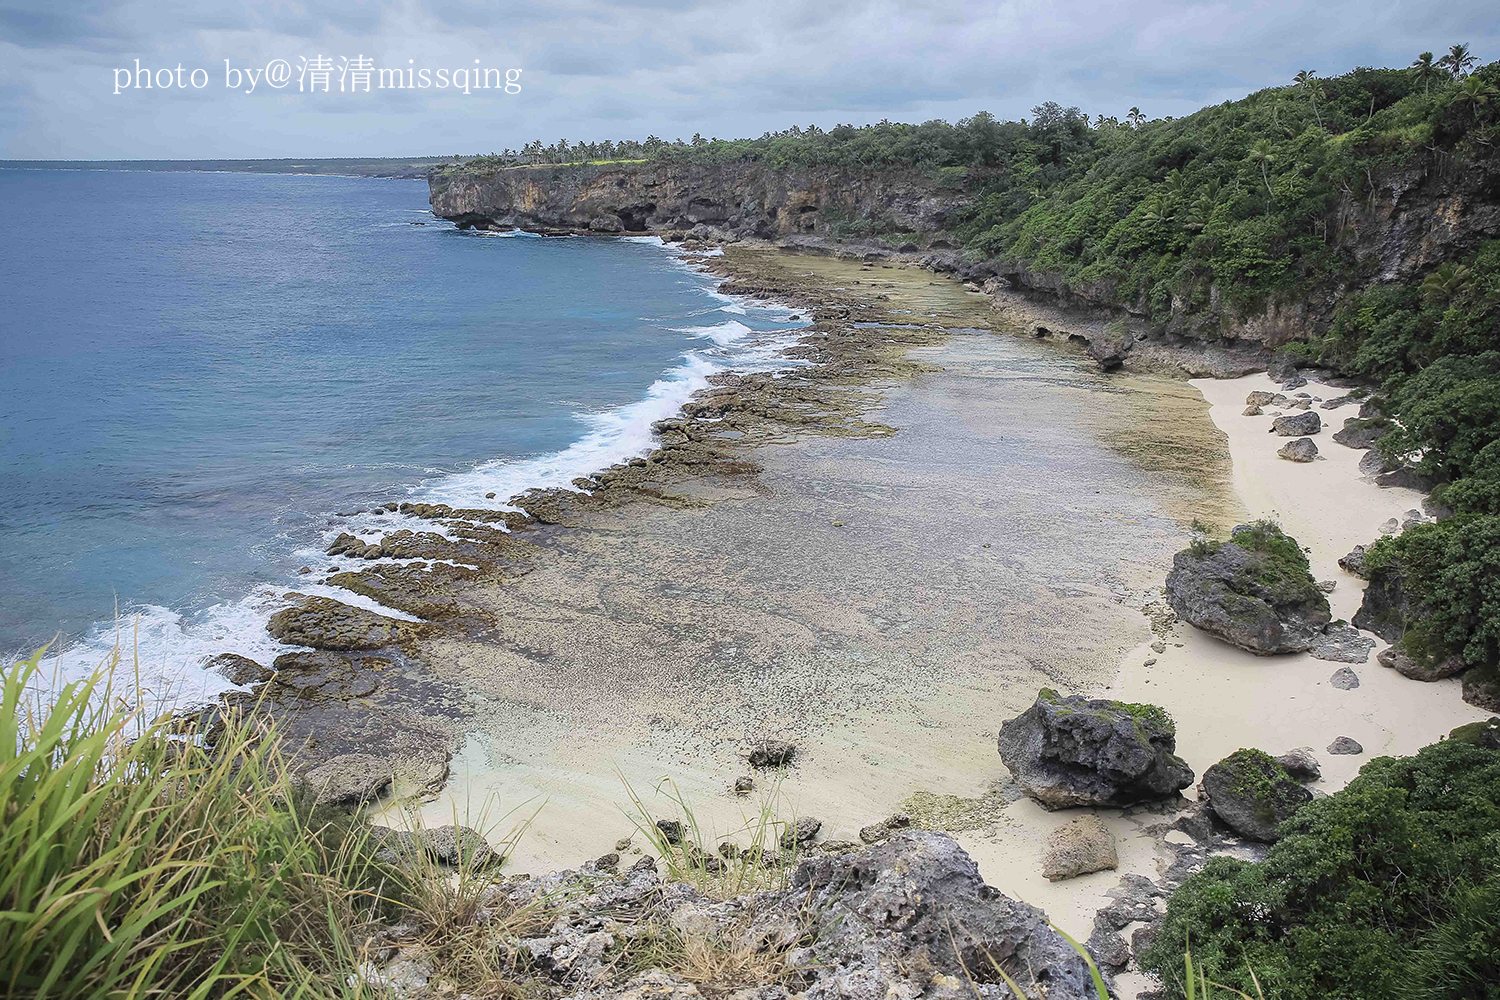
(595, 69)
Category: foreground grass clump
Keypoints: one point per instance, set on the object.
(136, 862)
(1388, 888)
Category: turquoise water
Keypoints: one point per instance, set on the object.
(197, 371)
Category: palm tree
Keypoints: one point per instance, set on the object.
(1158, 207)
(1458, 61)
(1261, 153)
(1476, 92)
(1440, 286)
(1135, 118)
(1307, 80)
(1424, 69)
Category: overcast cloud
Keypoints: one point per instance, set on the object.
(598, 70)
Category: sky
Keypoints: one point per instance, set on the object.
(594, 70)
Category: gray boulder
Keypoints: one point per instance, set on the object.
(1300, 450)
(1342, 644)
(1344, 679)
(801, 833)
(1080, 846)
(1253, 794)
(1297, 424)
(1345, 746)
(1362, 433)
(1254, 591)
(1385, 609)
(1354, 562)
(1259, 398)
(1301, 764)
(1073, 751)
(1421, 666)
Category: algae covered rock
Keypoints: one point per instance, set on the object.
(1253, 794)
(1485, 735)
(1408, 659)
(1074, 751)
(1254, 590)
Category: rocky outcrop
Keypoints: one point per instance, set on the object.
(731, 199)
(1073, 751)
(1254, 590)
(1253, 794)
(1386, 609)
(323, 623)
(1421, 666)
(1361, 433)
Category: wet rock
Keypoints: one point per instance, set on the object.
(1073, 751)
(772, 753)
(801, 833)
(1254, 591)
(1301, 764)
(1485, 735)
(1253, 794)
(1419, 667)
(349, 780)
(323, 623)
(238, 669)
(1300, 450)
(1342, 644)
(1345, 746)
(876, 832)
(1354, 562)
(1079, 847)
(1297, 424)
(1344, 679)
(416, 589)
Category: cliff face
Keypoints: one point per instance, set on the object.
(745, 199)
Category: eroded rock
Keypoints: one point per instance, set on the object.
(1080, 846)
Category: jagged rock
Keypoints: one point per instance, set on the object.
(1072, 751)
(238, 669)
(1251, 411)
(1079, 847)
(446, 845)
(1301, 764)
(1345, 746)
(606, 224)
(349, 780)
(1300, 450)
(1283, 370)
(1297, 424)
(876, 832)
(801, 833)
(1385, 609)
(1360, 433)
(1336, 402)
(1342, 644)
(1421, 667)
(772, 753)
(1344, 679)
(671, 830)
(1485, 735)
(1109, 347)
(1482, 688)
(1375, 462)
(916, 901)
(323, 623)
(1254, 591)
(1253, 794)
(1259, 398)
(1328, 586)
(1354, 562)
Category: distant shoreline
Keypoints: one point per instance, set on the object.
(382, 168)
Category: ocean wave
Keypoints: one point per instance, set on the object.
(723, 334)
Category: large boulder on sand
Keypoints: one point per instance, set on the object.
(1080, 846)
(1253, 794)
(1297, 424)
(1254, 590)
(1301, 450)
(1419, 664)
(1073, 751)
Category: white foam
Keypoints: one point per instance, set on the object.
(723, 334)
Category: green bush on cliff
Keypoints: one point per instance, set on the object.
(1452, 569)
(1384, 889)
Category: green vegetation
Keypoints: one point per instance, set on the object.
(1388, 888)
(1279, 571)
(1255, 773)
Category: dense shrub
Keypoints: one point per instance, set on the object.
(1384, 889)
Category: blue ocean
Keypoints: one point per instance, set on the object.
(198, 371)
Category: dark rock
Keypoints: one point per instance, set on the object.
(1345, 746)
(238, 669)
(1485, 735)
(1342, 644)
(744, 785)
(1385, 609)
(1284, 370)
(1482, 688)
(1419, 667)
(1297, 424)
(1110, 346)
(1406, 478)
(1344, 679)
(1254, 591)
(1354, 562)
(1073, 751)
(801, 833)
(1336, 402)
(1301, 764)
(876, 832)
(1300, 450)
(1108, 948)
(916, 901)
(606, 224)
(671, 830)
(608, 863)
(1361, 433)
(772, 753)
(1253, 794)
(447, 845)
(1375, 462)
(324, 623)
